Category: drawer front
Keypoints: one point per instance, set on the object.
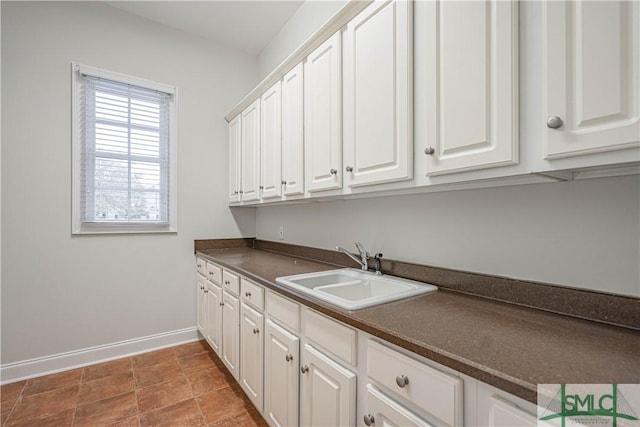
(285, 311)
(439, 394)
(387, 412)
(214, 273)
(252, 293)
(201, 266)
(331, 335)
(230, 282)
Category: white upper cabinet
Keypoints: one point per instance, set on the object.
(472, 68)
(322, 116)
(592, 58)
(235, 138)
(378, 94)
(271, 143)
(293, 132)
(250, 153)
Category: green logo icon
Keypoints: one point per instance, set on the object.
(588, 405)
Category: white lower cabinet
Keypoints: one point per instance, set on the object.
(251, 354)
(201, 312)
(299, 367)
(327, 391)
(437, 394)
(383, 411)
(231, 333)
(281, 375)
(213, 329)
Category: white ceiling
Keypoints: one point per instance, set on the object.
(245, 25)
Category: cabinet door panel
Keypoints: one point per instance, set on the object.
(505, 414)
(251, 354)
(378, 94)
(230, 332)
(386, 412)
(472, 72)
(293, 132)
(592, 76)
(235, 137)
(271, 143)
(327, 391)
(281, 377)
(250, 155)
(214, 317)
(201, 284)
(322, 116)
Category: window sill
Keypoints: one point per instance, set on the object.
(115, 228)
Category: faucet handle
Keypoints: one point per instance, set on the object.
(378, 258)
(362, 250)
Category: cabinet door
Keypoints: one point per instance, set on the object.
(327, 391)
(271, 143)
(230, 332)
(378, 94)
(292, 132)
(250, 153)
(384, 411)
(506, 414)
(214, 317)
(201, 286)
(281, 377)
(251, 354)
(235, 138)
(323, 116)
(472, 69)
(592, 79)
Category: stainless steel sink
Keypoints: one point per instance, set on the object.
(354, 289)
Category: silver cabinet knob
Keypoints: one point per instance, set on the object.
(429, 151)
(333, 172)
(289, 357)
(283, 182)
(201, 288)
(349, 169)
(235, 192)
(368, 419)
(554, 122)
(221, 303)
(262, 187)
(402, 381)
(206, 291)
(199, 266)
(304, 369)
(256, 330)
(247, 294)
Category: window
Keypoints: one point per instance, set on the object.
(124, 153)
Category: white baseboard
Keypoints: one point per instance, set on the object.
(17, 371)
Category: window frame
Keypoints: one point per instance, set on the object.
(79, 226)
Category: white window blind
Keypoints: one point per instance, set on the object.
(125, 152)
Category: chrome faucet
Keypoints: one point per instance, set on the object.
(364, 255)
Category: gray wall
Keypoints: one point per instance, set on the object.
(307, 19)
(580, 233)
(63, 292)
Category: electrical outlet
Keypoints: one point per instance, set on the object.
(281, 232)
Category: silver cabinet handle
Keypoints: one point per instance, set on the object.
(349, 169)
(262, 187)
(221, 303)
(429, 151)
(226, 282)
(289, 357)
(304, 369)
(247, 294)
(283, 182)
(202, 288)
(554, 122)
(256, 330)
(235, 192)
(333, 172)
(368, 419)
(402, 381)
(199, 266)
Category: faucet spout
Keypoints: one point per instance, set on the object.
(364, 256)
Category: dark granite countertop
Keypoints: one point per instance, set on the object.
(510, 347)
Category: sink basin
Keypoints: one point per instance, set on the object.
(354, 289)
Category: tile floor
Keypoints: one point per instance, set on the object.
(185, 385)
